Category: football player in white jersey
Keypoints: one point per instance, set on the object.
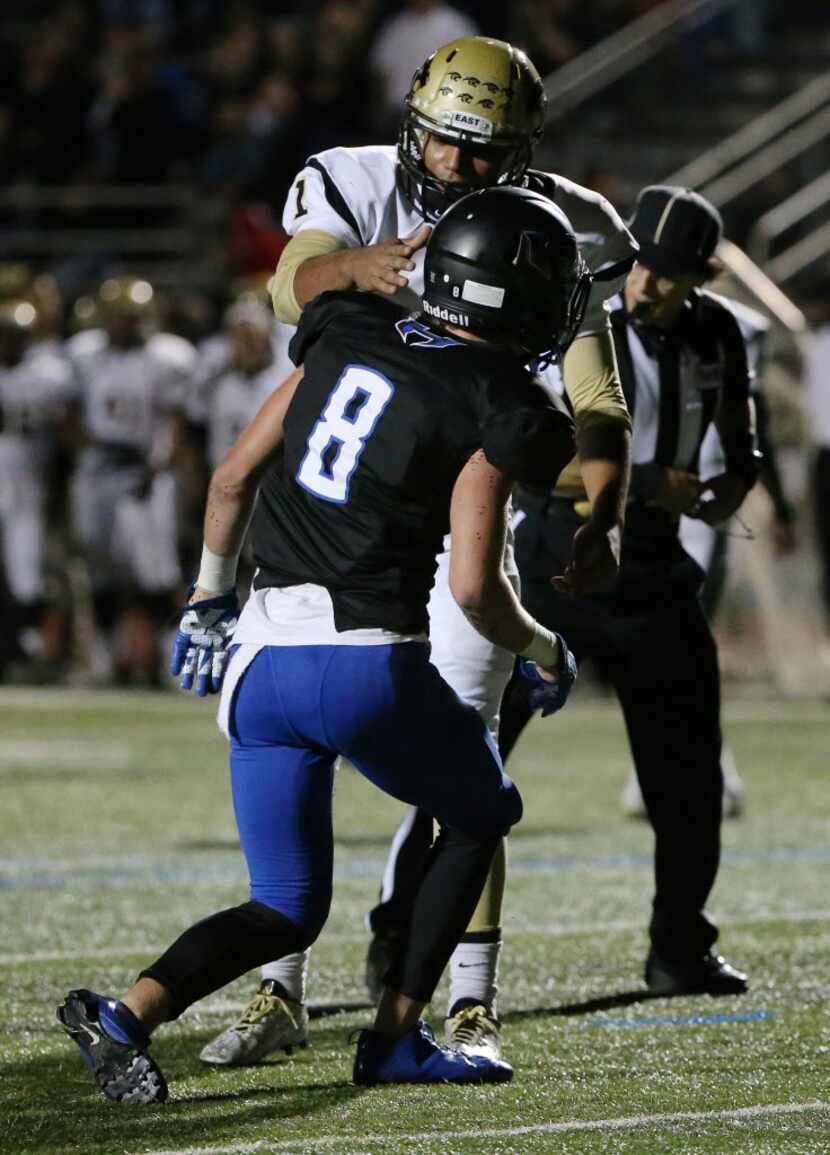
(358, 219)
(36, 387)
(132, 388)
(247, 362)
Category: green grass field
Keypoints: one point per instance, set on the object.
(117, 833)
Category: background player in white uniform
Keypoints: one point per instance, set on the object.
(36, 387)
(233, 387)
(132, 388)
(472, 117)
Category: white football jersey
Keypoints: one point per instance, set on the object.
(353, 194)
(124, 392)
(213, 366)
(34, 396)
(233, 403)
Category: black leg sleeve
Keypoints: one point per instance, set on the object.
(405, 867)
(220, 948)
(443, 906)
(515, 713)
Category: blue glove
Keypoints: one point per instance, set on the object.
(550, 696)
(203, 640)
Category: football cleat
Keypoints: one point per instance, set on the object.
(379, 956)
(113, 1046)
(418, 1058)
(473, 1031)
(270, 1022)
(711, 975)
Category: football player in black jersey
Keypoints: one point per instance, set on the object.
(391, 431)
(356, 218)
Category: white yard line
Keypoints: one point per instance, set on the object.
(625, 1123)
(49, 754)
(541, 932)
(49, 698)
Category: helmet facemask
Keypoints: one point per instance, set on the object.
(431, 196)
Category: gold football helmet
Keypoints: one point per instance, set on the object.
(126, 295)
(18, 324)
(127, 310)
(482, 93)
(18, 313)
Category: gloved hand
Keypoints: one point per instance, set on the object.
(546, 696)
(203, 640)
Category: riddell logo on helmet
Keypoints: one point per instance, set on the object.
(440, 313)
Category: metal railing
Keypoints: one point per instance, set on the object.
(777, 153)
(801, 255)
(706, 168)
(762, 288)
(58, 221)
(792, 211)
(747, 157)
(621, 52)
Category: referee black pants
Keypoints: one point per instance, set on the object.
(655, 648)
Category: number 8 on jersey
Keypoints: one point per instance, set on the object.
(339, 437)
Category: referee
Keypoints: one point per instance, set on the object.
(683, 366)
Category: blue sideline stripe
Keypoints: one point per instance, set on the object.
(683, 1020)
(39, 877)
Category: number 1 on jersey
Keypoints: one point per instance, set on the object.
(339, 437)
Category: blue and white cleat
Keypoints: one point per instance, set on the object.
(113, 1046)
(418, 1058)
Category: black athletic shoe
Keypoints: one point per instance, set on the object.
(710, 975)
(123, 1070)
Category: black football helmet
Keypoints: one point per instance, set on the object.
(504, 263)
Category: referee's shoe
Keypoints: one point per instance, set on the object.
(709, 975)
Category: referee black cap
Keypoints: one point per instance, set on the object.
(677, 230)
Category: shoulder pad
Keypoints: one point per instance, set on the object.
(527, 437)
(86, 343)
(356, 184)
(173, 351)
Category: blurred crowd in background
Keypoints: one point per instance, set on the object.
(223, 102)
(228, 99)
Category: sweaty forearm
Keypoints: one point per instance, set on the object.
(495, 611)
(228, 513)
(229, 507)
(326, 273)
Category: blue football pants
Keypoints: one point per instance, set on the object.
(387, 710)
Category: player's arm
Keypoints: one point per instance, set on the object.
(478, 524)
(315, 262)
(603, 424)
(233, 488)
